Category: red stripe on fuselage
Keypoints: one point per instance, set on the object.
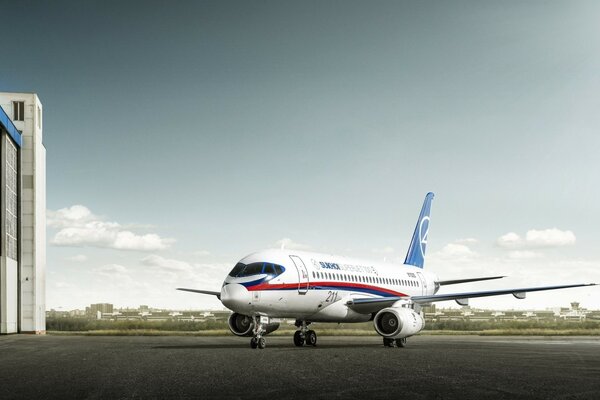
(311, 285)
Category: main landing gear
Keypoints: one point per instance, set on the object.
(258, 340)
(304, 335)
(394, 342)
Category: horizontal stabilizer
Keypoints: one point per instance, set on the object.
(213, 293)
(456, 281)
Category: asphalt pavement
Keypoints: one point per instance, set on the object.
(430, 367)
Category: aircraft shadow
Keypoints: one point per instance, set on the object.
(246, 346)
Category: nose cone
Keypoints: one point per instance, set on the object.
(236, 297)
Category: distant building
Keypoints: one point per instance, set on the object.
(102, 308)
(22, 215)
(575, 312)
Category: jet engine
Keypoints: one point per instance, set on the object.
(243, 325)
(398, 322)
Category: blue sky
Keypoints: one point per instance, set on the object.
(187, 135)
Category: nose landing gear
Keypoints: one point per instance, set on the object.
(258, 340)
(304, 335)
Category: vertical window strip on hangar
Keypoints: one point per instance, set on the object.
(11, 198)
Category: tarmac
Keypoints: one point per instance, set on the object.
(430, 367)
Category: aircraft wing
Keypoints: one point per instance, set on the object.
(213, 293)
(455, 281)
(371, 305)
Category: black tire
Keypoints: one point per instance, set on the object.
(262, 343)
(387, 342)
(253, 343)
(298, 339)
(311, 338)
(401, 342)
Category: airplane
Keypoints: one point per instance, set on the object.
(270, 285)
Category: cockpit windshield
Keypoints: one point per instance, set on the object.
(242, 270)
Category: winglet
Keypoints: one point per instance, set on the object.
(416, 251)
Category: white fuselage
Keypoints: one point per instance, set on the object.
(316, 287)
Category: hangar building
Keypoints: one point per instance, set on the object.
(22, 215)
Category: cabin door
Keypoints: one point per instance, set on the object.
(302, 274)
(423, 283)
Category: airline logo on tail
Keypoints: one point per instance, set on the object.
(418, 244)
(423, 232)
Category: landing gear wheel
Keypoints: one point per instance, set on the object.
(253, 343)
(298, 339)
(389, 342)
(311, 338)
(262, 343)
(401, 342)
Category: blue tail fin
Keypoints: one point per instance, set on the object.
(416, 251)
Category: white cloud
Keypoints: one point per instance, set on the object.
(467, 241)
(511, 239)
(67, 216)
(201, 253)
(114, 272)
(550, 238)
(79, 227)
(111, 269)
(537, 239)
(77, 258)
(456, 250)
(290, 244)
(172, 270)
(166, 263)
(523, 254)
(383, 250)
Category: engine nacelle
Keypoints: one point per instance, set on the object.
(243, 325)
(398, 322)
